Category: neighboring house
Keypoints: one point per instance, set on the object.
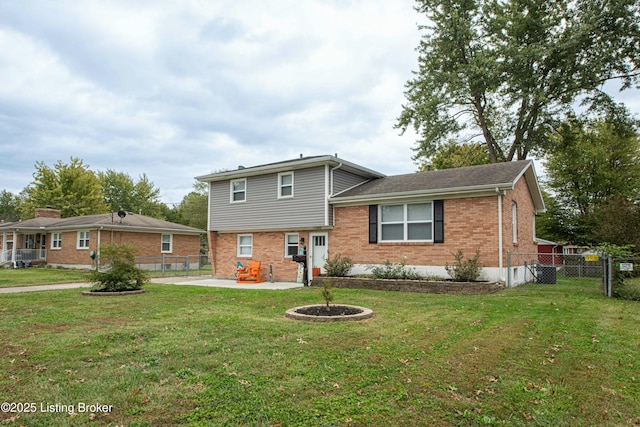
(69, 242)
(549, 253)
(261, 214)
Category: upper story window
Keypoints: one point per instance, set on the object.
(167, 243)
(56, 240)
(238, 190)
(285, 185)
(407, 222)
(83, 240)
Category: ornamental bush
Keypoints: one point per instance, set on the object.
(120, 272)
(464, 270)
(390, 270)
(338, 266)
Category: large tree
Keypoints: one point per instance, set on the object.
(121, 192)
(505, 71)
(454, 155)
(9, 206)
(71, 187)
(594, 173)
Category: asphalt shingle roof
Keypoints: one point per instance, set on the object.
(448, 179)
(109, 220)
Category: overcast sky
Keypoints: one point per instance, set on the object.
(177, 89)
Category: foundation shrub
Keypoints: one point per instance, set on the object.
(464, 270)
(338, 266)
(390, 270)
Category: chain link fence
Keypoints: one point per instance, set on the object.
(622, 278)
(171, 265)
(547, 268)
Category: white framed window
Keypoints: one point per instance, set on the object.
(245, 245)
(56, 240)
(514, 221)
(285, 185)
(290, 244)
(238, 190)
(167, 243)
(406, 222)
(83, 240)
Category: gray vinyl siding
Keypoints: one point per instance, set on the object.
(343, 180)
(263, 209)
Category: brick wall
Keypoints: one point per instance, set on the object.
(268, 248)
(525, 212)
(469, 224)
(148, 244)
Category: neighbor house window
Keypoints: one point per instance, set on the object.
(407, 222)
(167, 243)
(514, 221)
(290, 244)
(83, 240)
(245, 245)
(56, 240)
(238, 190)
(285, 184)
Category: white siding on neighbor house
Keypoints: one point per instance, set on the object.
(262, 208)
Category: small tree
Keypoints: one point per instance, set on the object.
(327, 292)
(121, 273)
(464, 270)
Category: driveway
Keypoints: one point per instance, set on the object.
(191, 281)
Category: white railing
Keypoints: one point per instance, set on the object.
(30, 254)
(5, 256)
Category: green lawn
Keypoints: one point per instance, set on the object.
(552, 355)
(39, 276)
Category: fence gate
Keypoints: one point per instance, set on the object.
(546, 268)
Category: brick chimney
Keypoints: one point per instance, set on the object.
(48, 213)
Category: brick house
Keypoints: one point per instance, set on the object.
(69, 242)
(261, 213)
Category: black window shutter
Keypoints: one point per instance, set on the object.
(438, 221)
(373, 223)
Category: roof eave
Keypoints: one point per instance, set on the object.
(478, 190)
(281, 167)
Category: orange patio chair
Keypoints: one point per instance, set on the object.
(251, 273)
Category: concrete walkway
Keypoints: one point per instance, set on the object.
(191, 281)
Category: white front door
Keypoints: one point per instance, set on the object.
(319, 250)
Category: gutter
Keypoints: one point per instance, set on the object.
(458, 192)
(500, 244)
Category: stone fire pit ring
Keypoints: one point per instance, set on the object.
(362, 313)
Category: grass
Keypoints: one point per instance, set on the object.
(10, 277)
(39, 276)
(538, 355)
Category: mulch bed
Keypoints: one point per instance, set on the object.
(334, 310)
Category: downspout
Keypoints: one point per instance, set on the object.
(330, 192)
(331, 173)
(98, 249)
(500, 246)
